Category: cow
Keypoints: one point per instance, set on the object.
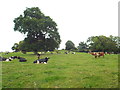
(45, 60)
(94, 54)
(13, 57)
(97, 54)
(5, 59)
(22, 59)
(8, 59)
(2, 59)
(101, 54)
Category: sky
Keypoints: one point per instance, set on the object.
(76, 19)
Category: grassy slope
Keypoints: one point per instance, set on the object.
(62, 71)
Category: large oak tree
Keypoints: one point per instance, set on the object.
(40, 30)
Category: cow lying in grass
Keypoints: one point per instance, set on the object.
(45, 60)
(5, 59)
(13, 57)
(21, 59)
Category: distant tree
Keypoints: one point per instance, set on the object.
(82, 46)
(40, 30)
(102, 43)
(116, 40)
(70, 45)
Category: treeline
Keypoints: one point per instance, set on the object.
(42, 35)
(93, 43)
(97, 44)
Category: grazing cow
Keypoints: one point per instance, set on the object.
(45, 60)
(93, 53)
(101, 54)
(97, 54)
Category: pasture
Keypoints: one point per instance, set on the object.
(80, 70)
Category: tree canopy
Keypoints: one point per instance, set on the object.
(82, 46)
(40, 30)
(103, 43)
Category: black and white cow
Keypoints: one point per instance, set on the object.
(13, 57)
(45, 60)
(2, 59)
(5, 59)
(21, 59)
(8, 59)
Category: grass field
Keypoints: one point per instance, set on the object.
(80, 70)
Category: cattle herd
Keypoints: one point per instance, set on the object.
(21, 59)
(45, 60)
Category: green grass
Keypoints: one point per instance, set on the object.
(81, 70)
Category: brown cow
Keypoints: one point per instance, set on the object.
(94, 54)
(101, 54)
(97, 54)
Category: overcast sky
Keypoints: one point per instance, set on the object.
(76, 19)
